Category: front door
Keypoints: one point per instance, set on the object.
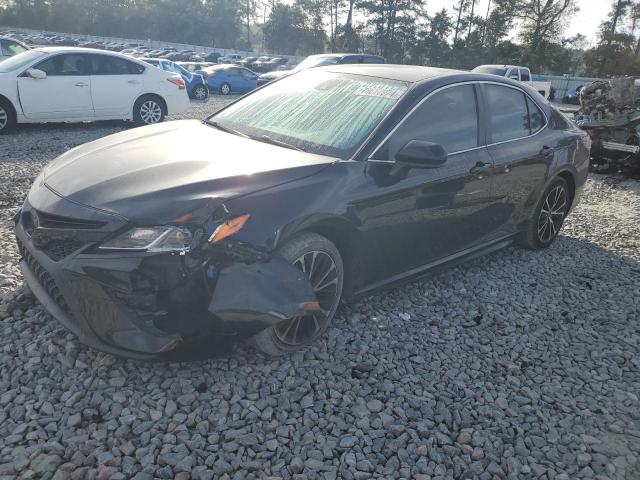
(65, 93)
(420, 215)
(116, 83)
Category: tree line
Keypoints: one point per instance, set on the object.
(528, 32)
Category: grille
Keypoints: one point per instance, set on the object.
(45, 280)
(56, 250)
(48, 220)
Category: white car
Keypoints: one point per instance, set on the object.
(10, 47)
(70, 84)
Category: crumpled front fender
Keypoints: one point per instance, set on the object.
(249, 297)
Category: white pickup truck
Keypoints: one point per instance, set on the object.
(515, 72)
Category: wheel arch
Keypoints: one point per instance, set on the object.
(163, 103)
(12, 107)
(339, 231)
(568, 177)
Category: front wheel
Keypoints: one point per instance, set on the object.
(548, 217)
(225, 89)
(148, 110)
(320, 260)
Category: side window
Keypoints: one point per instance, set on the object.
(11, 48)
(107, 65)
(246, 73)
(235, 72)
(509, 118)
(513, 74)
(449, 117)
(524, 75)
(66, 65)
(559, 121)
(536, 118)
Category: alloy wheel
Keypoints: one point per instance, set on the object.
(552, 214)
(200, 93)
(323, 274)
(150, 112)
(4, 118)
(225, 89)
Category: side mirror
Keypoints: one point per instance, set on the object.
(418, 153)
(36, 74)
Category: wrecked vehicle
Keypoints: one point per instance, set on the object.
(326, 185)
(610, 114)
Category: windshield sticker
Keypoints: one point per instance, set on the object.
(380, 90)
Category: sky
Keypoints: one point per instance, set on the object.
(586, 21)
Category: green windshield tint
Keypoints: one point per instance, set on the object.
(321, 112)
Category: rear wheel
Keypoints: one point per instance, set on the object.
(320, 260)
(225, 89)
(548, 216)
(7, 117)
(200, 92)
(148, 110)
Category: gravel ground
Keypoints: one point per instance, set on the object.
(519, 365)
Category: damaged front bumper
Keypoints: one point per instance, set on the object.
(145, 305)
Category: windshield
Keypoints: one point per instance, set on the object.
(317, 61)
(320, 112)
(501, 71)
(20, 60)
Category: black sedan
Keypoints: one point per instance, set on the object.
(327, 185)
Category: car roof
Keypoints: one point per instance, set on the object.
(403, 73)
(416, 74)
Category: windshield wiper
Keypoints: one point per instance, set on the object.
(280, 143)
(215, 124)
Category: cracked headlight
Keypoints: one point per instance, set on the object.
(151, 239)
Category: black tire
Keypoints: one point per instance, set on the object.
(548, 216)
(149, 110)
(7, 116)
(225, 89)
(316, 253)
(201, 92)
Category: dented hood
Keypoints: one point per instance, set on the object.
(161, 172)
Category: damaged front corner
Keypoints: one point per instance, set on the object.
(279, 291)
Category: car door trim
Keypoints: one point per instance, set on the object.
(481, 118)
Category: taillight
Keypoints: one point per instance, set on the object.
(586, 141)
(179, 82)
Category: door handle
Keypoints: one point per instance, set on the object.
(480, 168)
(133, 82)
(546, 151)
(82, 84)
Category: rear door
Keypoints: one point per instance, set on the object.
(522, 148)
(115, 85)
(64, 94)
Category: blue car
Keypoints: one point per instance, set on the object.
(226, 79)
(196, 86)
